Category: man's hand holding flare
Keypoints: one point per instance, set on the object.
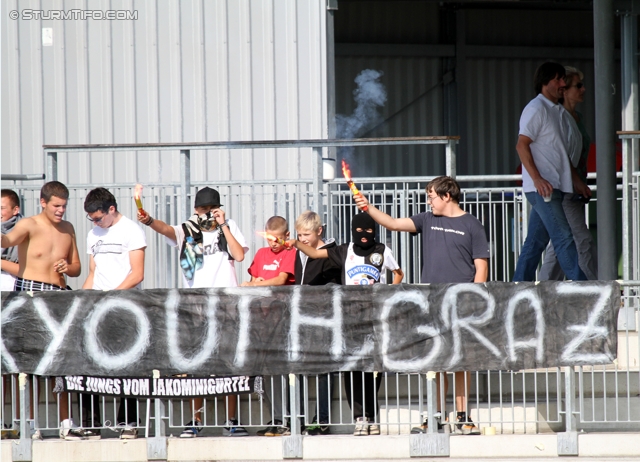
(361, 202)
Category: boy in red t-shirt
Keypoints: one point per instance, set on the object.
(274, 266)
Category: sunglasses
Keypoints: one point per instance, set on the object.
(97, 220)
(578, 85)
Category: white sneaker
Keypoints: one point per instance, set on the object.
(128, 432)
(35, 432)
(362, 427)
(70, 431)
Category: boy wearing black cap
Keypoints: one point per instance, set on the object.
(209, 245)
(363, 262)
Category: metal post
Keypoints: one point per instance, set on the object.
(157, 446)
(23, 450)
(629, 52)
(451, 158)
(52, 166)
(185, 183)
(627, 212)
(603, 17)
(292, 445)
(431, 443)
(317, 180)
(568, 441)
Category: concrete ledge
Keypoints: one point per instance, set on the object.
(356, 447)
(593, 446)
(532, 446)
(113, 450)
(5, 450)
(224, 448)
(609, 445)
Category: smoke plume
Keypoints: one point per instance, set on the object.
(369, 95)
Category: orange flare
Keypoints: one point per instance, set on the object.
(272, 238)
(137, 194)
(347, 176)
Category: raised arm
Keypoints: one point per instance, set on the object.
(158, 226)
(233, 246)
(308, 250)
(393, 224)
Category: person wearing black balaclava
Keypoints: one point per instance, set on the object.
(364, 262)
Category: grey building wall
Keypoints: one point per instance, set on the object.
(182, 71)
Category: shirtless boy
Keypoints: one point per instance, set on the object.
(46, 243)
(47, 251)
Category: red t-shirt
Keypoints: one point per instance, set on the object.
(267, 264)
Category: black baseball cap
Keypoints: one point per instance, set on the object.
(207, 196)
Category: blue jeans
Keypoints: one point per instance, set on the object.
(548, 221)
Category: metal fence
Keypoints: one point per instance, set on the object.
(603, 398)
(593, 398)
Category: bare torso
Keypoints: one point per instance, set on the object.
(45, 244)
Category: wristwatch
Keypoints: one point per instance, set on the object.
(226, 223)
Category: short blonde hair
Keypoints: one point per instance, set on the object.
(308, 221)
(571, 72)
(277, 224)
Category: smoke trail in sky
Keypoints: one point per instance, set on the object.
(369, 95)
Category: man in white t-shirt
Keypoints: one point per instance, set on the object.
(209, 245)
(544, 146)
(116, 248)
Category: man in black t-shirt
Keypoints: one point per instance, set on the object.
(455, 249)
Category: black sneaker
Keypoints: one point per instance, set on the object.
(316, 429)
(278, 431)
(233, 429)
(91, 434)
(465, 425)
(270, 430)
(425, 426)
(192, 429)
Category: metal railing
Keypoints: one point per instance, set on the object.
(532, 401)
(602, 398)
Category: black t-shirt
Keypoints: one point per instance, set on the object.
(449, 246)
(317, 272)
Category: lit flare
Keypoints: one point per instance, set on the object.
(347, 176)
(137, 195)
(272, 238)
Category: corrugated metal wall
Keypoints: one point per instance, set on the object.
(496, 89)
(496, 96)
(413, 108)
(183, 71)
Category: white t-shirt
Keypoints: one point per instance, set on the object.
(217, 270)
(7, 281)
(110, 248)
(363, 271)
(548, 125)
